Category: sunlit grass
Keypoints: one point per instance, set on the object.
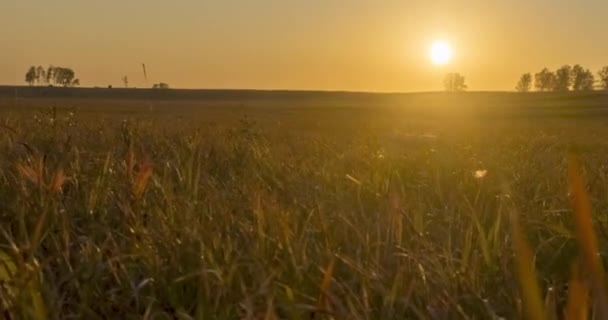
(141, 219)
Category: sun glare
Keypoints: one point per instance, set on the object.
(440, 53)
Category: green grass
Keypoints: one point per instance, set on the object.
(286, 213)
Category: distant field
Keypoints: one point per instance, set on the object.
(185, 101)
(125, 203)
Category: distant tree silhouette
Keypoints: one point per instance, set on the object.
(544, 80)
(40, 75)
(525, 82)
(577, 77)
(125, 81)
(50, 75)
(160, 85)
(588, 81)
(53, 75)
(603, 75)
(582, 79)
(30, 76)
(64, 76)
(454, 82)
(562, 79)
(56, 76)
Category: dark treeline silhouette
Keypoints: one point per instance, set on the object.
(603, 74)
(60, 76)
(454, 82)
(525, 82)
(566, 78)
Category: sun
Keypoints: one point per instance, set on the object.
(440, 53)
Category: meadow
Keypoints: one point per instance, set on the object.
(293, 206)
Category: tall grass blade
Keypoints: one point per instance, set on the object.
(322, 304)
(577, 307)
(58, 180)
(141, 180)
(586, 238)
(530, 292)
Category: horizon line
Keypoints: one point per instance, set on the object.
(264, 89)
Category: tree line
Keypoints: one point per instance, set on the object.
(66, 77)
(57, 76)
(566, 78)
(454, 82)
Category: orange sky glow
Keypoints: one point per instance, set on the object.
(318, 44)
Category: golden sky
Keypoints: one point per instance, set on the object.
(300, 44)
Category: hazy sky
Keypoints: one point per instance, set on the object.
(300, 44)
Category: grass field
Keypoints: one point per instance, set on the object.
(304, 206)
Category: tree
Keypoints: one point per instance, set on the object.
(582, 79)
(544, 80)
(40, 75)
(562, 79)
(61, 76)
(160, 85)
(30, 76)
(588, 81)
(525, 82)
(50, 75)
(64, 76)
(454, 82)
(577, 77)
(603, 74)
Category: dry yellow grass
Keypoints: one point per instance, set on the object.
(160, 217)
